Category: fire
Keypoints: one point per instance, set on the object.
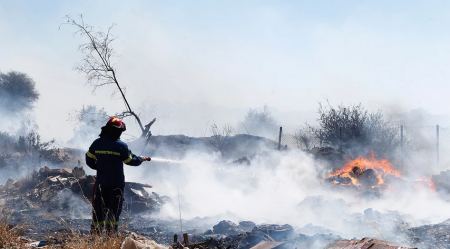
(427, 182)
(364, 171)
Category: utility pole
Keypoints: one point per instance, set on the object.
(279, 137)
(437, 145)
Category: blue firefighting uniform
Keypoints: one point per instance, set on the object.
(107, 156)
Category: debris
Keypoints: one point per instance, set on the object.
(226, 227)
(267, 245)
(242, 161)
(241, 236)
(276, 232)
(431, 236)
(48, 190)
(247, 226)
(367, 172)
(134, 241)
(38, 244)
(365, 243)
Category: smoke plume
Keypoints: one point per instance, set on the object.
(287, 188)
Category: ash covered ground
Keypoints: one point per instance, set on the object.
(254, 197)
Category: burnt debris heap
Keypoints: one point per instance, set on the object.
(52, 190)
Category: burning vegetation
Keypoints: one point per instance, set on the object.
(367, 172)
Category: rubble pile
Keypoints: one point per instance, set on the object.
(47, 195)
(67, 192)
(246, 234)
(431, 236)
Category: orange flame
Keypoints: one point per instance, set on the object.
(380, 166)
(365, 163)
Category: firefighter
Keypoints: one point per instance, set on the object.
(106, 155)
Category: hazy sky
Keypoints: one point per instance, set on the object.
(192, 63)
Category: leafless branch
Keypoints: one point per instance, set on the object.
(96, 63)
(220, 135)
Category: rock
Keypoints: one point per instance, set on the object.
(242, 161)
(247, 226)
(37, 244)
(276, 232)
(78, 172)
(134, 241)
(47, 172)
(226, 227)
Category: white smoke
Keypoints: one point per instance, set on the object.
(287, 187)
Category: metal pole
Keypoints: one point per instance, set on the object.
(401, 137)
(279, 137)
(437, 145)
(401, 145)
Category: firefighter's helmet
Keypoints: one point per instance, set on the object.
(116, 123)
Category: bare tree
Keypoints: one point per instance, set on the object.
(304, 139)
(97, 64)
(219, 135)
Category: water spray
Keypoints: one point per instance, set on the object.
(165, 160)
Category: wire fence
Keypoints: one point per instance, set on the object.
(429, 144)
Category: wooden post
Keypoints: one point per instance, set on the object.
(437, 145)
(185, 239)
(279, 137)
(131, 205)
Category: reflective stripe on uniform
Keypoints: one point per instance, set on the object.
(128, 159)
(90, 155)
(107, 152)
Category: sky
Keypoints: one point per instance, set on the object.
(194, 63)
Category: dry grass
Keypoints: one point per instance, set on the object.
(90, 242)
(10, 237)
